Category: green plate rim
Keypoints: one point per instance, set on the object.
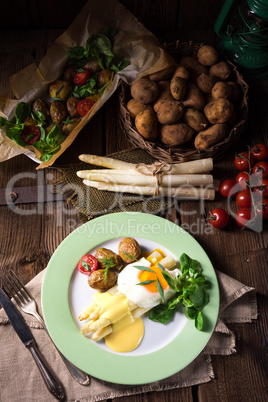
(117, 368)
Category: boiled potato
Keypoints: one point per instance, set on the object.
(129, 249)
(146, 124)
(102, 279)
(178, 87)
(164, 94)
(104, 254)
(144, 90)
(206, 82)
(219, 111)
(193, 97)
(207, 55)
(212, 136)
(162, 75)
(134, 107)
(71, 104)
(193, 66)
(170, 111)
(195, 119)
(182, 72)
(221, 90)
(176, 134)
(58, 112)
(221, 70)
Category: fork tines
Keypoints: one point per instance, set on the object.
(15, 288)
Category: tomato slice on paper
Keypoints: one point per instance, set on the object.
(30, 134)
(84, 106)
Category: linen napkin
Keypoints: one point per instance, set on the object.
(20, 379)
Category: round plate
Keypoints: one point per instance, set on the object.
(165, 349)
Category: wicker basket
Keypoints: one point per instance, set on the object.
(188, 152)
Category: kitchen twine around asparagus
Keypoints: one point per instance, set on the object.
(159, 168)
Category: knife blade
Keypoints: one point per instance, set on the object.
(26, 336)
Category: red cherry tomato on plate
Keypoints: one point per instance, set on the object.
(81, 77)
(30, 134)
(226, 187)
(218, 218)
(243, 198)
(244, 216)
(262, 208)
(84, 106)
(259, 152)
(243, 161)
(261, 169)
(242, 178)
(262, 188)
(87, 264)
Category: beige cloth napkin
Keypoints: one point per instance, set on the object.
(20, 379)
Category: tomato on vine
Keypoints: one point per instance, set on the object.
(242, 179)
(218, 218)
(259, 152)
(243, 198)
(226, 187)
(261, 169)
(262, 188)
(262, 208)
(244, 216)
(243, 161)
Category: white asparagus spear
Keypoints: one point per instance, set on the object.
(142, 180)
(198, 166)
(190, 193)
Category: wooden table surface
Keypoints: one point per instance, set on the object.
(30, 233)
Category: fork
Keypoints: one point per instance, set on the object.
(27, 303)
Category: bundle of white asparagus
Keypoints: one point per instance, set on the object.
(101, 326)
(188, 180)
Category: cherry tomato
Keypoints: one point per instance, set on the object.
(261, 169)
(259, 152)
(262, 188)
(244, 216)
(243, 161)
(226, 187)
(87, 264)
(242, 178)
(30, 134)
(84, 106)
(243, 198)
(218, 218)
(81, 77)
(262, 208)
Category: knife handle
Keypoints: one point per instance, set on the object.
(51, 381)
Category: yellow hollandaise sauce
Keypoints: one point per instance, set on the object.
(127, 333)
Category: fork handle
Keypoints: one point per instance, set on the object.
(51, 381)
(80, 376)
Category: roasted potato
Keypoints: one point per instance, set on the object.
(195, 119)
(69, 73)
(221, 90)
(58, 112)
(102, 279)
(40, 106)
(129, 249)
(221, 70)
(106, 256)
(60, 90)
(193, 97)
(93, 66)
(219, 111)
(104, 77)
(176, 134)
(206, 82)
(68, 128)
(144, 90)
(207, 55)
(170, 111)
(146, 124)
(134, 107)
(212, 136)
(71, 105)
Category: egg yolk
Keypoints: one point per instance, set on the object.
(151, 276)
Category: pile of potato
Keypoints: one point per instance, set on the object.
(195, 100)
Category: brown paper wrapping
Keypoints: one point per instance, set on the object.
(132, 42)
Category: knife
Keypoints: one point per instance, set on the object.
(24, 333)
